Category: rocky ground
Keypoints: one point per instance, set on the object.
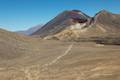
(57, 60)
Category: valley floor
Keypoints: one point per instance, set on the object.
(57, 60)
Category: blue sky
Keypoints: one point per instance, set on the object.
(23, 14)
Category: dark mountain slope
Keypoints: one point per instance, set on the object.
(75, 25)
(61, 22)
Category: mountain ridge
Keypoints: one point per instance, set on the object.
(76, 24)
(62, 21)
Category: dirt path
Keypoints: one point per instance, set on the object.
(45, 67)
(27, 71)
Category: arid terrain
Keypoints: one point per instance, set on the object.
(25, 58)
(72, 46)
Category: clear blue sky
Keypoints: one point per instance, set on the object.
(23, 14)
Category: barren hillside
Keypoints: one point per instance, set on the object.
(25, 58)
(77, 50)
(75, 25)
(61, 22)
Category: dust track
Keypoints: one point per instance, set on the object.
(45, 67)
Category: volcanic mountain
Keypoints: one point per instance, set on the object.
(72, 25)
(104, 23)
(63, 21)
(107, 22)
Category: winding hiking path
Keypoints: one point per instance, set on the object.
(58, 58)
(27, 70)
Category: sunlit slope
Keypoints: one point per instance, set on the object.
(24, 58)
(16, 48)
(75, 25)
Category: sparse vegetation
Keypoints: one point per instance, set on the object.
(86, 60)
(65, 53)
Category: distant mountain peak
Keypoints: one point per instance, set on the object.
(75, 12)
(103, 12)
(72, 24)
(62, 21)
(30, 30)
